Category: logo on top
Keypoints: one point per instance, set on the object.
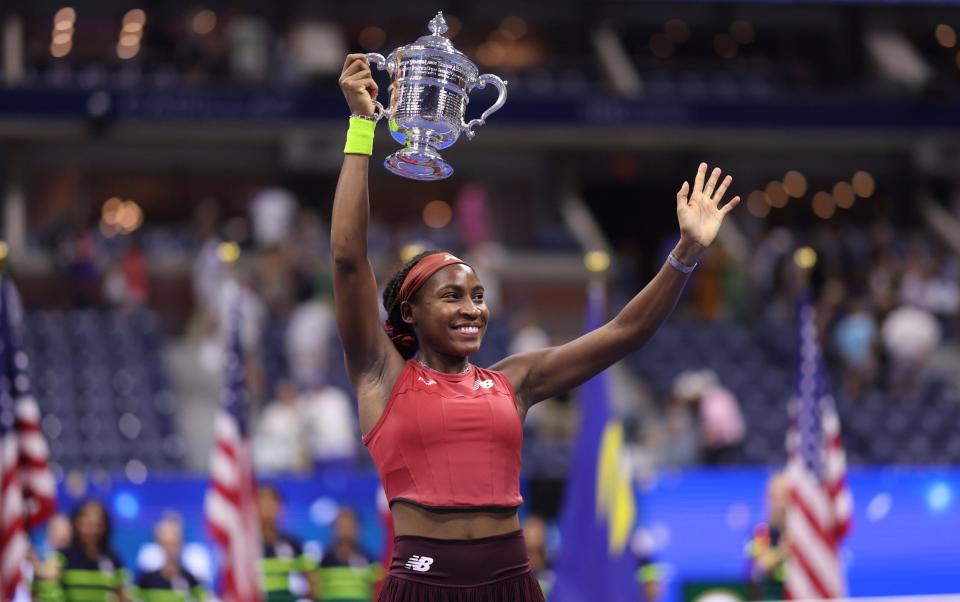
(486, 383)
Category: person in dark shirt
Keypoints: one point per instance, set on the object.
(88, 570)
(347, 572)
(282, 553)
(171, 582)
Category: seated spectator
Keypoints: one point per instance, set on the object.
(347, 572)
(283, 555)
(88, 570)
(171, 582)
(535, 537)
(767, 549)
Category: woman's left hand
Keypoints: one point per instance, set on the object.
(699, 211)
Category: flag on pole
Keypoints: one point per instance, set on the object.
(38, 486)
(13, 536)
(230, 504)
(820, 506)
(598, 515)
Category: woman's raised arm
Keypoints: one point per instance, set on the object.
(538, 375)
(369, 352)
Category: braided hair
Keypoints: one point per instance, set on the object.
(399, 331)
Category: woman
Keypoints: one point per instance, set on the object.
(445, 434)
(87, 570)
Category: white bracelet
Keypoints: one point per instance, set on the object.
(679, 266)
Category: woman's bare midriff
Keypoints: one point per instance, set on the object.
(414, 520)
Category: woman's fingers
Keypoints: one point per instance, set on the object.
(353, 58)
(682, 193)
(711, 183)
(729, 206)
(698, 181)
(355, 65)
(722, 190)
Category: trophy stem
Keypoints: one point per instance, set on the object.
(418, 161)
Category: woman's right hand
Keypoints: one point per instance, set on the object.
(357, 85)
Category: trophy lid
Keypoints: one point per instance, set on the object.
(437, 42)
(437, 39)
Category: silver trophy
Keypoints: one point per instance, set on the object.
(431, 81)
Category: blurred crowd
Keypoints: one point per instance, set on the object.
(76, 560)
(887, 307)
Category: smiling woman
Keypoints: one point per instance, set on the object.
(445, 434)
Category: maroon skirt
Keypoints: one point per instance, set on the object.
(490, 569)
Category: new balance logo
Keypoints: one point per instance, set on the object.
(420, 564)
(487, 383)
(427, 381)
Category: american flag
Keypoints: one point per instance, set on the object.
(230, 505)
(27, 488)
(820, 506)
(36, 479)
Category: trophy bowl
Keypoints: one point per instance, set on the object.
(429, 92)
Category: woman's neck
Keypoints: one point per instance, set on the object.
(447, 364)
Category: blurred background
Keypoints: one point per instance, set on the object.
(151, 151)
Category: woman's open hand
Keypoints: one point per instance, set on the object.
(699, 211)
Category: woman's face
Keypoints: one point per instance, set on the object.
(449, 314)
(91, 524)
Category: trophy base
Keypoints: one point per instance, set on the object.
(418, 163)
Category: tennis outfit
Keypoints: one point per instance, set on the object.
(452, 443)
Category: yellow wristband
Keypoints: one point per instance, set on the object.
(360, 137)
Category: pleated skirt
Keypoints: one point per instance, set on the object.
(489, 569)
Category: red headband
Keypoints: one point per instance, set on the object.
(421, 272)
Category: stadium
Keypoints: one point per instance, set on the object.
(727, 390)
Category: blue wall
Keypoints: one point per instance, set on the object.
(905, 539)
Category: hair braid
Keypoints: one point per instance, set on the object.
(399, 331)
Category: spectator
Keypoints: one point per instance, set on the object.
(88, 570)
(171, 582)
(678, 441)
(310, 334)
(767, 550)
(535, 537)
(528, 335)
(331, 426)
(910, 337)
(347, 572)
(721, 428)
(649, 572)
(278, 444)
(282, 553)
(855, 338)
(272, 213)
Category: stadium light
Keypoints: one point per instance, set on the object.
(437, 214)
(228, 252)
(805, 258)
(597, 261)
(823, 205)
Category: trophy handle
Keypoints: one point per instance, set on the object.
(482, 81)
(378, 59)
